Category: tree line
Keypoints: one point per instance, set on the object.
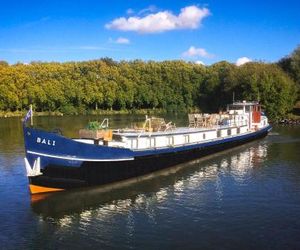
(78, 87)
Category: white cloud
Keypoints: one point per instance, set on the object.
(129, 11)
(189, 17)
(242, 61)
(120, 40)
(123, 40)
(151, 8)
(196, 52)
(199, 62)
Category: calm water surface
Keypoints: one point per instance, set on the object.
(244, 198)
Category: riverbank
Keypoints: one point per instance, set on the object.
(6, 114)
(289, 122)
(291, 118)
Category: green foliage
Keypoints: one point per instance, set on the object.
(68, 109)
(217, 87)
(3, 64)
(176, 86)
(268, 84)
(93, 125)
(291, 65)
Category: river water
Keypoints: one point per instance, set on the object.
(244, 198)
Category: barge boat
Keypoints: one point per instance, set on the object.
(56, 163)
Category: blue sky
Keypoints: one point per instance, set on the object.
(201, 31)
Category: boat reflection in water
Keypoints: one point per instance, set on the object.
(147, 193)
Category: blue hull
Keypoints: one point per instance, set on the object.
(67, 164)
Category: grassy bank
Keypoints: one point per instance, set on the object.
(5, 114)
(294, 115)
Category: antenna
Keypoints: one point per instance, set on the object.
(31, 116)
(233, 97)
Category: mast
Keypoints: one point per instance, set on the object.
(31, 117)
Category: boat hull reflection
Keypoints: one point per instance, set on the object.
(176, 179)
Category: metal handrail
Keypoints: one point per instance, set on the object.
(103, 122)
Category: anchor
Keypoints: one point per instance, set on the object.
(35, 170)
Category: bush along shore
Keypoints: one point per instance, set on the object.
(289, 121)
(293, 118)
(4, 114)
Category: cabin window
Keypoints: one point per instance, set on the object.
(152, 142)
(204, 136)
(219, 133)
(238, 130)
(229, 132)
(187, 138)
(170, 140)
(134, 143)
(117, 137)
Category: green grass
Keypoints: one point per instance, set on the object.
(86, 112)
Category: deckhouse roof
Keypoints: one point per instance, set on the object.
(244, 103)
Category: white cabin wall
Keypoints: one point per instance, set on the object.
(179, 139)
(210, 135)
(196, 137)
(224, 132)
(243, 129)
(233, 131)
(143, 142)
(161, 141)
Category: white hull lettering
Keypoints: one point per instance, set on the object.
(45, 141)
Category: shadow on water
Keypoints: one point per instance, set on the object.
(237, 162)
